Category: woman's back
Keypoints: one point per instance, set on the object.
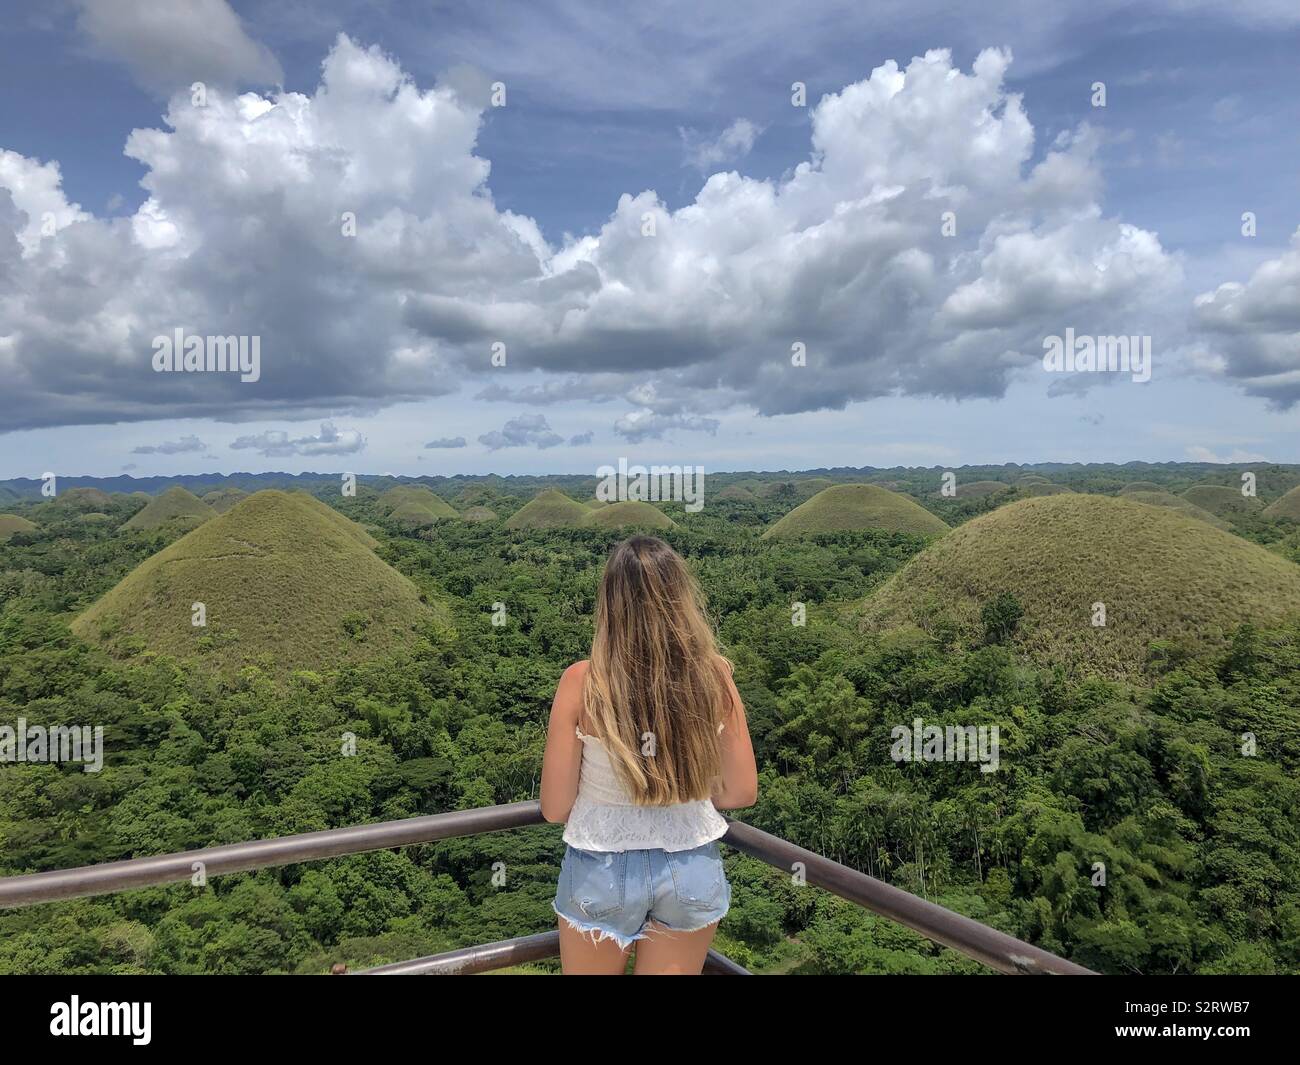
(605, 817)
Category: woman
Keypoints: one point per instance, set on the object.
(647, 741)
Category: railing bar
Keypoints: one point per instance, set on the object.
(718, 964)
(488, 956)
(995, 949)
(260, 854)
(469, 960)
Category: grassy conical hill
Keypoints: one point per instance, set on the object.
(549, 509)
(174, 505)
(1140, 486)
(86, 499)
(980, 489)
(475, 495)
(480, 514)
(1286, 507)
(278, 576)
(810, 486)
(70, 504)
(629, 512)
(737, 492)
(223, 499)
(329, 513)
(1161, 576)
(12, 523)
(848, 507)
(778, 490)
(418, 495)
(1043, 488)
(1222, 501)
(414, 516)
(1173, 502)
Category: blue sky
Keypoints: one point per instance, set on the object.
(128, 210)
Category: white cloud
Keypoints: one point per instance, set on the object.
(545, 393)
(36, 190)
(276, 443)
(674, 54)
(733, 143)
(1253, 329)
(639, 425)
(184, 445)
(847, 257)
(1226, 109)
(1204, 454)
(528, 430)
(170, 44)
(1253, 13)
(446, 442)
(243, 233)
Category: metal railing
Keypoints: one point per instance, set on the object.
(995, 949)
(261, 854)
(509, 952)
(987, 945)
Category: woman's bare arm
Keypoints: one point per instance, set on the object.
(563, 758)
(739, 773)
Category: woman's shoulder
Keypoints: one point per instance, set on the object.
(578, 670)
(571, 682)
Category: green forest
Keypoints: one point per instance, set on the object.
(1144, 818)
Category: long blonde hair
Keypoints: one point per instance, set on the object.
(655, 693)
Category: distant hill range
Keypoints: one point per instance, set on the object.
(1275, 480)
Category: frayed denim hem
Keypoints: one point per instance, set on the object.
(596, 933)
(695, 928)
(599, 934)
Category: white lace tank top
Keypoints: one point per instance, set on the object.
(604, 818)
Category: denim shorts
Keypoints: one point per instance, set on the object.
(616, 894)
